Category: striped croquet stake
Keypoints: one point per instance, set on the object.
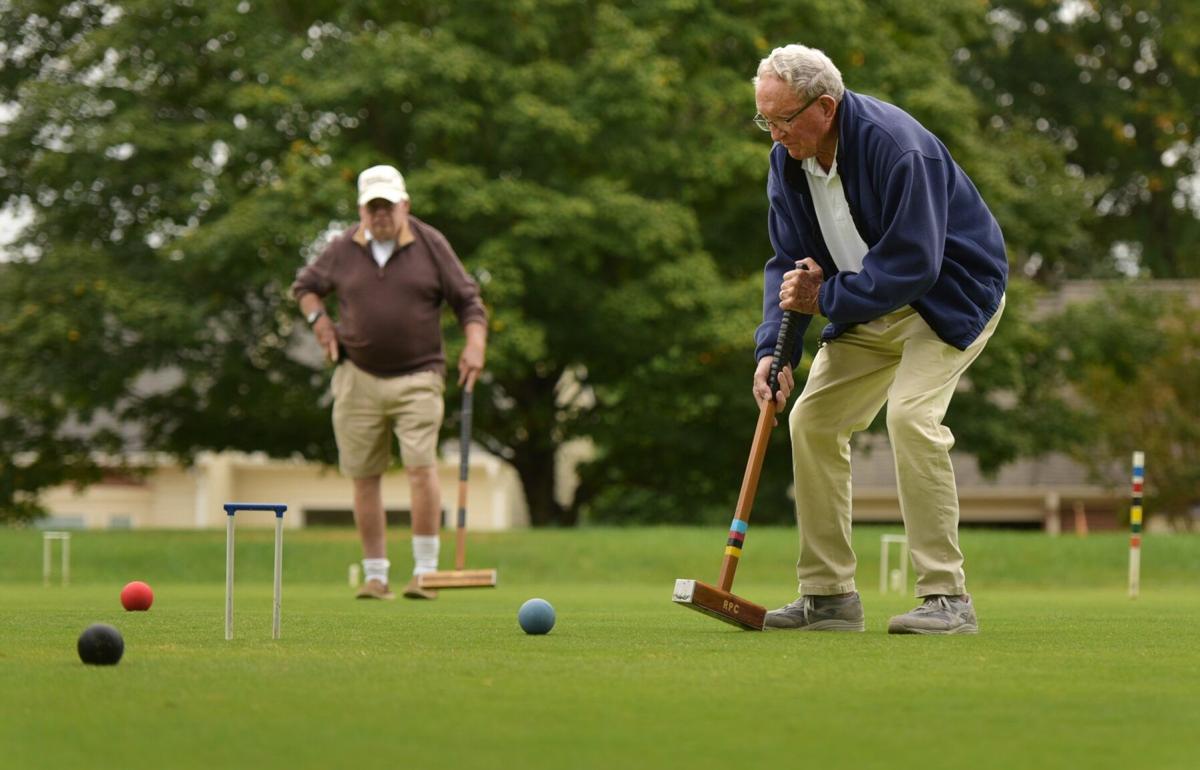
(1135, 524)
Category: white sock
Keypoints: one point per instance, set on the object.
(425, 553)
(376, 569)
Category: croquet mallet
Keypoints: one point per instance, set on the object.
(718, 601)
(460, 577)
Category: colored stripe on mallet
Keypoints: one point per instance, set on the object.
(737, 536)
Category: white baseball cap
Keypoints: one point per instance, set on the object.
(381, 182)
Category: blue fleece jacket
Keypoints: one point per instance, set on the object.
(932, 243)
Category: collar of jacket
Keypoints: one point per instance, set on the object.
(406, 237)
(793, 170)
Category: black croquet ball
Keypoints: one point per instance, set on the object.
(101, 645)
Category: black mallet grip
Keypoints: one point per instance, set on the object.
(464, 441)
(783, 348)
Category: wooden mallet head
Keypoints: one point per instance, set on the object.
(722, 605)
(458, 578)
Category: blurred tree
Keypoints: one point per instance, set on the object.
(148, 306)
(1117, 85)
(1132, 359)
(181, 157)
(593, 163)
(1011, 404)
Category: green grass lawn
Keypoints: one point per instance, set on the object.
(1066, 672)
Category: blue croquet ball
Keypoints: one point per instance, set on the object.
(536, 616)
(100, 645)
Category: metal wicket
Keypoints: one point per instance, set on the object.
(64, 539)
(885, 574)
(230, 510)
(1135, 524)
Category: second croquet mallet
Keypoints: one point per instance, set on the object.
(460, 576)
(718, 601)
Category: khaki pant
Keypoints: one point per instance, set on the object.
(367, 410)
(899, 360)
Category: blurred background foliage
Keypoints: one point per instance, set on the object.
(595, 167)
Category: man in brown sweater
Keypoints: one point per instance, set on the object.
(391, 273)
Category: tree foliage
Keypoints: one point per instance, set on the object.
(1132, 360)
(1117, 85)
(1012, 404)
(592, 163)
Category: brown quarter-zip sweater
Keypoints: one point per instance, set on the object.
(389, 318)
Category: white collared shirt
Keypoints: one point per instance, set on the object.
(845, 245)
(381, 250)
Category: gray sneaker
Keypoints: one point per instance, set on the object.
(937, 615)
(820, 613)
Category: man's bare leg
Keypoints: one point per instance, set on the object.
(426, 521)
(369, 516)
(426, 500)
(371, 521)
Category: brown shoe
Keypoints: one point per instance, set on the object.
(374, 589)
(414, 590)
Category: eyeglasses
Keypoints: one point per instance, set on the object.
(785, 123)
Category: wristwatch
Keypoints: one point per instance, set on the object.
(313, 316)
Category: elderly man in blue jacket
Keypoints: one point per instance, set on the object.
(875, 227)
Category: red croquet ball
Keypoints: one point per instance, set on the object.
(136, 596)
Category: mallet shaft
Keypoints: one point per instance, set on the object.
(464, 451)
(782, 356)
(758, 450)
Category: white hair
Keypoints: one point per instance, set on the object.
(808, 71)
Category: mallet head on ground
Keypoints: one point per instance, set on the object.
(136, 596)
(458, 578)
(100, 645)
(722, 605)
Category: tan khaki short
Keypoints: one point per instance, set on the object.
(368, 409)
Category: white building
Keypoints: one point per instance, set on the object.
(169, 496)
